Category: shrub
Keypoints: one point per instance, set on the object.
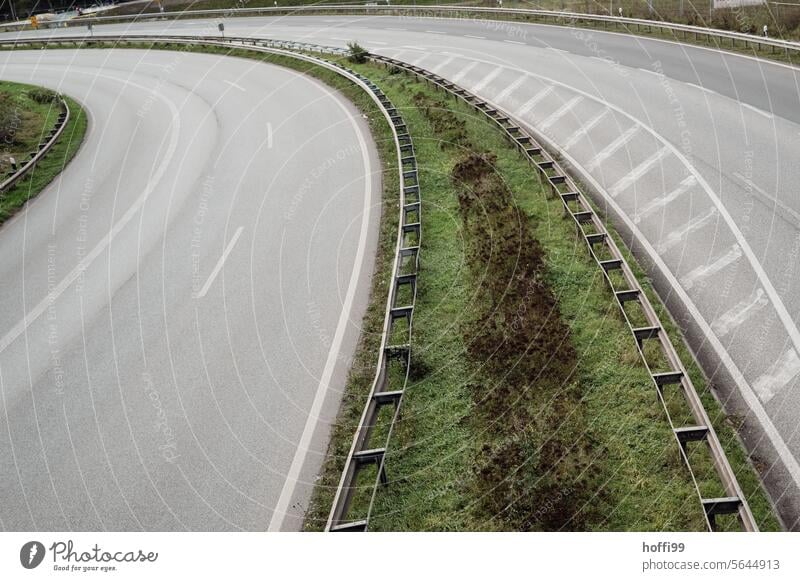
(358, 54)
(41, 95)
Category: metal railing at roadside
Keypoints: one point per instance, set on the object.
(44, 146)
(626, 290)
(519, 15)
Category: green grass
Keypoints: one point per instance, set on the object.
(25, 117)
(42, 118)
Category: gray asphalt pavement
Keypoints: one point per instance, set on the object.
(179, 308)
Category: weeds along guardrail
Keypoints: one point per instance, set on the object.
(624, 24)
(34, 157)
(627, 291)
(394, 356)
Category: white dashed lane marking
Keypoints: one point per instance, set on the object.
(659, 203)
(784, 371)
(588, 126)
(694, 224)
(739, 313)
(637, 172)
(612, 147)
(531, 103)
(702, 272)
(558, 114)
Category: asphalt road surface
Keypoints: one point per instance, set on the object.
(179, 308)
(692, 151)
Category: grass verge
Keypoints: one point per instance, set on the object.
(40, 119)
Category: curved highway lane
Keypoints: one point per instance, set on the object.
(179, 308)
(691, 151)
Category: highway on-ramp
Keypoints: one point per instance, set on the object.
(180, 306)
(692, 151)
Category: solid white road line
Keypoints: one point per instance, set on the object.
(757, 110)
(702, 88)
(694, 224)
(702, 272)
(585, 128)
(612, 147)
(558, 114)
(659, 203)
(784, 370)
(218, 267)
(739, 313)
(637, 172)
(656, 73)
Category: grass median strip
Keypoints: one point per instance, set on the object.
(27, 114)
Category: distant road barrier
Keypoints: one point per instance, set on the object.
(630, 25)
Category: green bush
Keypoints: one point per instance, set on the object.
(42, 96)
(358, 54)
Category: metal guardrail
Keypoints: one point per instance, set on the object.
(388, 388)
(465, 12)
(394, 356)
(609, 258)
(34, 157)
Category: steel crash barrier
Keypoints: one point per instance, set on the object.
(15, 174)
(522, 15)
(394, 359)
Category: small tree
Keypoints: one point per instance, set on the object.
(358, 54)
